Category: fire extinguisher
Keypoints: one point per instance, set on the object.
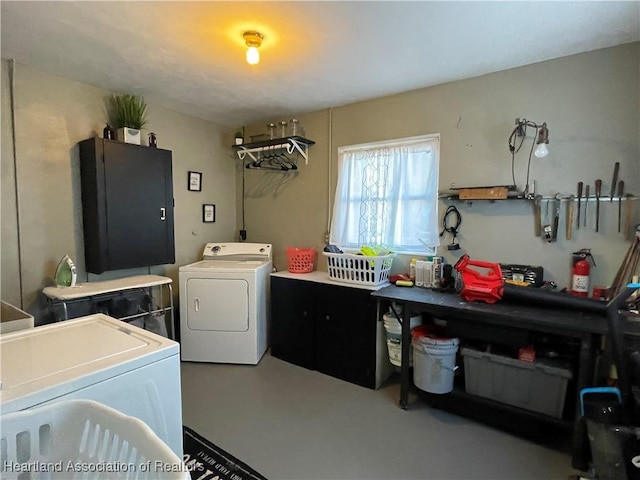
(580, 273)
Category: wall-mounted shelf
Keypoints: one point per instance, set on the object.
(275, 154)
(456, 196)
(562, 198)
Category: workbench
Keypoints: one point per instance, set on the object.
(483, 319)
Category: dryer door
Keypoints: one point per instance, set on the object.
(215, 304)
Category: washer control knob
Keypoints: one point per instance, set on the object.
(216, 249)
(262, 250)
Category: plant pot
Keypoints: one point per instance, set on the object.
(129, 135)
(239, 140)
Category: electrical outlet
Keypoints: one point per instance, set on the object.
(243, 234)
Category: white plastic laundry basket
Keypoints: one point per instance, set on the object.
(83, 439)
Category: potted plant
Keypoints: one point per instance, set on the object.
(128, 114)
(239, 136)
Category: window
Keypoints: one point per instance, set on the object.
(387, 194)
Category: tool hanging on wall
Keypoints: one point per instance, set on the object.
(620, 192)
(586, 204)
(569, 221)
(598, 193)
(537, 225)
(453, 230)
(616, 169)
(580, 184)
(551, 228)
(547, 226)
(556, 217)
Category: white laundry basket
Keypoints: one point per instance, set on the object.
(83, 439)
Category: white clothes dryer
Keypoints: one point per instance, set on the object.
(224, 307)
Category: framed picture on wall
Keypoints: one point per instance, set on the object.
(208, 213)
(195, 181)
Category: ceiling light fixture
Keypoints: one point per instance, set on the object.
(254, 40)
(541, 140)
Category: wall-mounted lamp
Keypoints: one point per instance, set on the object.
(541, 150)
(254, 40)
(541, 140)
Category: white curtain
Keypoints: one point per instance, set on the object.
(388, 195)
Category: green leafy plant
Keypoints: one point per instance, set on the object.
(127, 111)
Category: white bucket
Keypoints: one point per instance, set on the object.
(394, 337)
(434, 362)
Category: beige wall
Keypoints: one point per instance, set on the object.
(52, 115)
(10, 286)
(591, 103)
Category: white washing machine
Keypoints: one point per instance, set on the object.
(224, 304)
(97, 358)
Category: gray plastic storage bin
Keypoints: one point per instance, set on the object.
(533, 386)
(12, 318)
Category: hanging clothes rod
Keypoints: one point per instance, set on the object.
(290, 144)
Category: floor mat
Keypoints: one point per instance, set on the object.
(208, 462)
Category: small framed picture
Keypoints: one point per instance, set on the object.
(208, 213)
(195, 181)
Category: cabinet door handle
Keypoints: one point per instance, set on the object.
(196, 305)
(163, 213)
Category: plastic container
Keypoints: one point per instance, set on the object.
(394, 337)
(434, 359)
(301, 260)
(84, 439)
(12, 318)
(539, 387)
(359, 269)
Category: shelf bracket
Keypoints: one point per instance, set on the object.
(294, 145)
(242, 153)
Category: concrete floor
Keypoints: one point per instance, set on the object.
(287, 422)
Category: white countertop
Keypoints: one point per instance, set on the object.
(323, 277)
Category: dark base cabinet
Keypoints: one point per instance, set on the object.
(329, 328)
(292, 321)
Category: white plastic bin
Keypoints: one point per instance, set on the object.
(434, 360)
(83, 439)
(394, 337)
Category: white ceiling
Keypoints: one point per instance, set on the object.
(189, 56)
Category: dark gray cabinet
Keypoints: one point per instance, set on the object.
(127, 205)
(329, 328)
